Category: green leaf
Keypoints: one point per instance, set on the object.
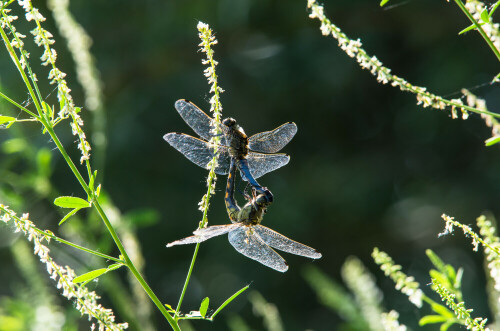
(231, 298)
(383, 2)
(71, 202)
(442, 310)
(485, 17)
(90, 275)
(440, 278)
(6, 119)
(204, 306)
(492, 141)
(169, 308)
(68, 215)
(471, 27)
(432, 319)
(14, 145)
(87, 277)
(438, 263)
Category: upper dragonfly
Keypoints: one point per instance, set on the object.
(233, 144)
(246, 234)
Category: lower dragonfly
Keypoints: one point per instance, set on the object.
(255, 155)
(246, 234)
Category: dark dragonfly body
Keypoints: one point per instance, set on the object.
(255, 155)
(246, 234)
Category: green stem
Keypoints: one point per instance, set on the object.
(18, 106)
(186, 282)
(80, 247)
(479, 28)
(110, 228)
(133, 269)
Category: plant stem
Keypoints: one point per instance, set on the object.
(133, 269)
(186, 282)
(18, 106)
(479, 28)
(110, 228)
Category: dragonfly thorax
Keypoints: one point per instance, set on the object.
(236, 138)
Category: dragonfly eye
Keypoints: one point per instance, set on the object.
(229, 122)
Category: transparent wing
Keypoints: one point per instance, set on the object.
(198, 151)
(200, 122)
(272, 141)
(247, 243)
(201, 235)
(261, 164)
(279, 241)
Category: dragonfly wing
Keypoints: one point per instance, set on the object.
(196, 118)
(279, 241)
(203, 234)
(198, 151)
(247, 243)
(272, 141)
(261, 164)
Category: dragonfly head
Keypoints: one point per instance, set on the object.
(230, 122)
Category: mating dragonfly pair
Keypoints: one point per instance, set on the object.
(254, 156)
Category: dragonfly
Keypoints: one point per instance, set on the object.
(246, 234)
(255, 155)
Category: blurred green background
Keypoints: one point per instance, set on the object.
(368, 166)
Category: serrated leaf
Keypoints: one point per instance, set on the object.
(485, 16)
(6, 119)
(383, 2)
(86, 277)
(204, 306)
(68, 215)
(492, 141)
(71, 202)
(432, 319)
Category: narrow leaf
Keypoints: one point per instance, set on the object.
(87, 277)
(90, 275)
(204, 306)
(432, 319)
(71, 202)
(383, 2)
(231, 298)
(492, 141)
(470, 27)
(6, 119)
(68, 215)
(442, 310)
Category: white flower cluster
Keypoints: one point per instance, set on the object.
(43, 38)
(407, 285)
(450, 223)
(78, 44)
(207, 41)
(383, 74)
(491, 122)
(488, 231)
(390, 321)
(462, 313)
(85, 300)
(366, 293)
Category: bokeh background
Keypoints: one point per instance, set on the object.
(368, 166)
